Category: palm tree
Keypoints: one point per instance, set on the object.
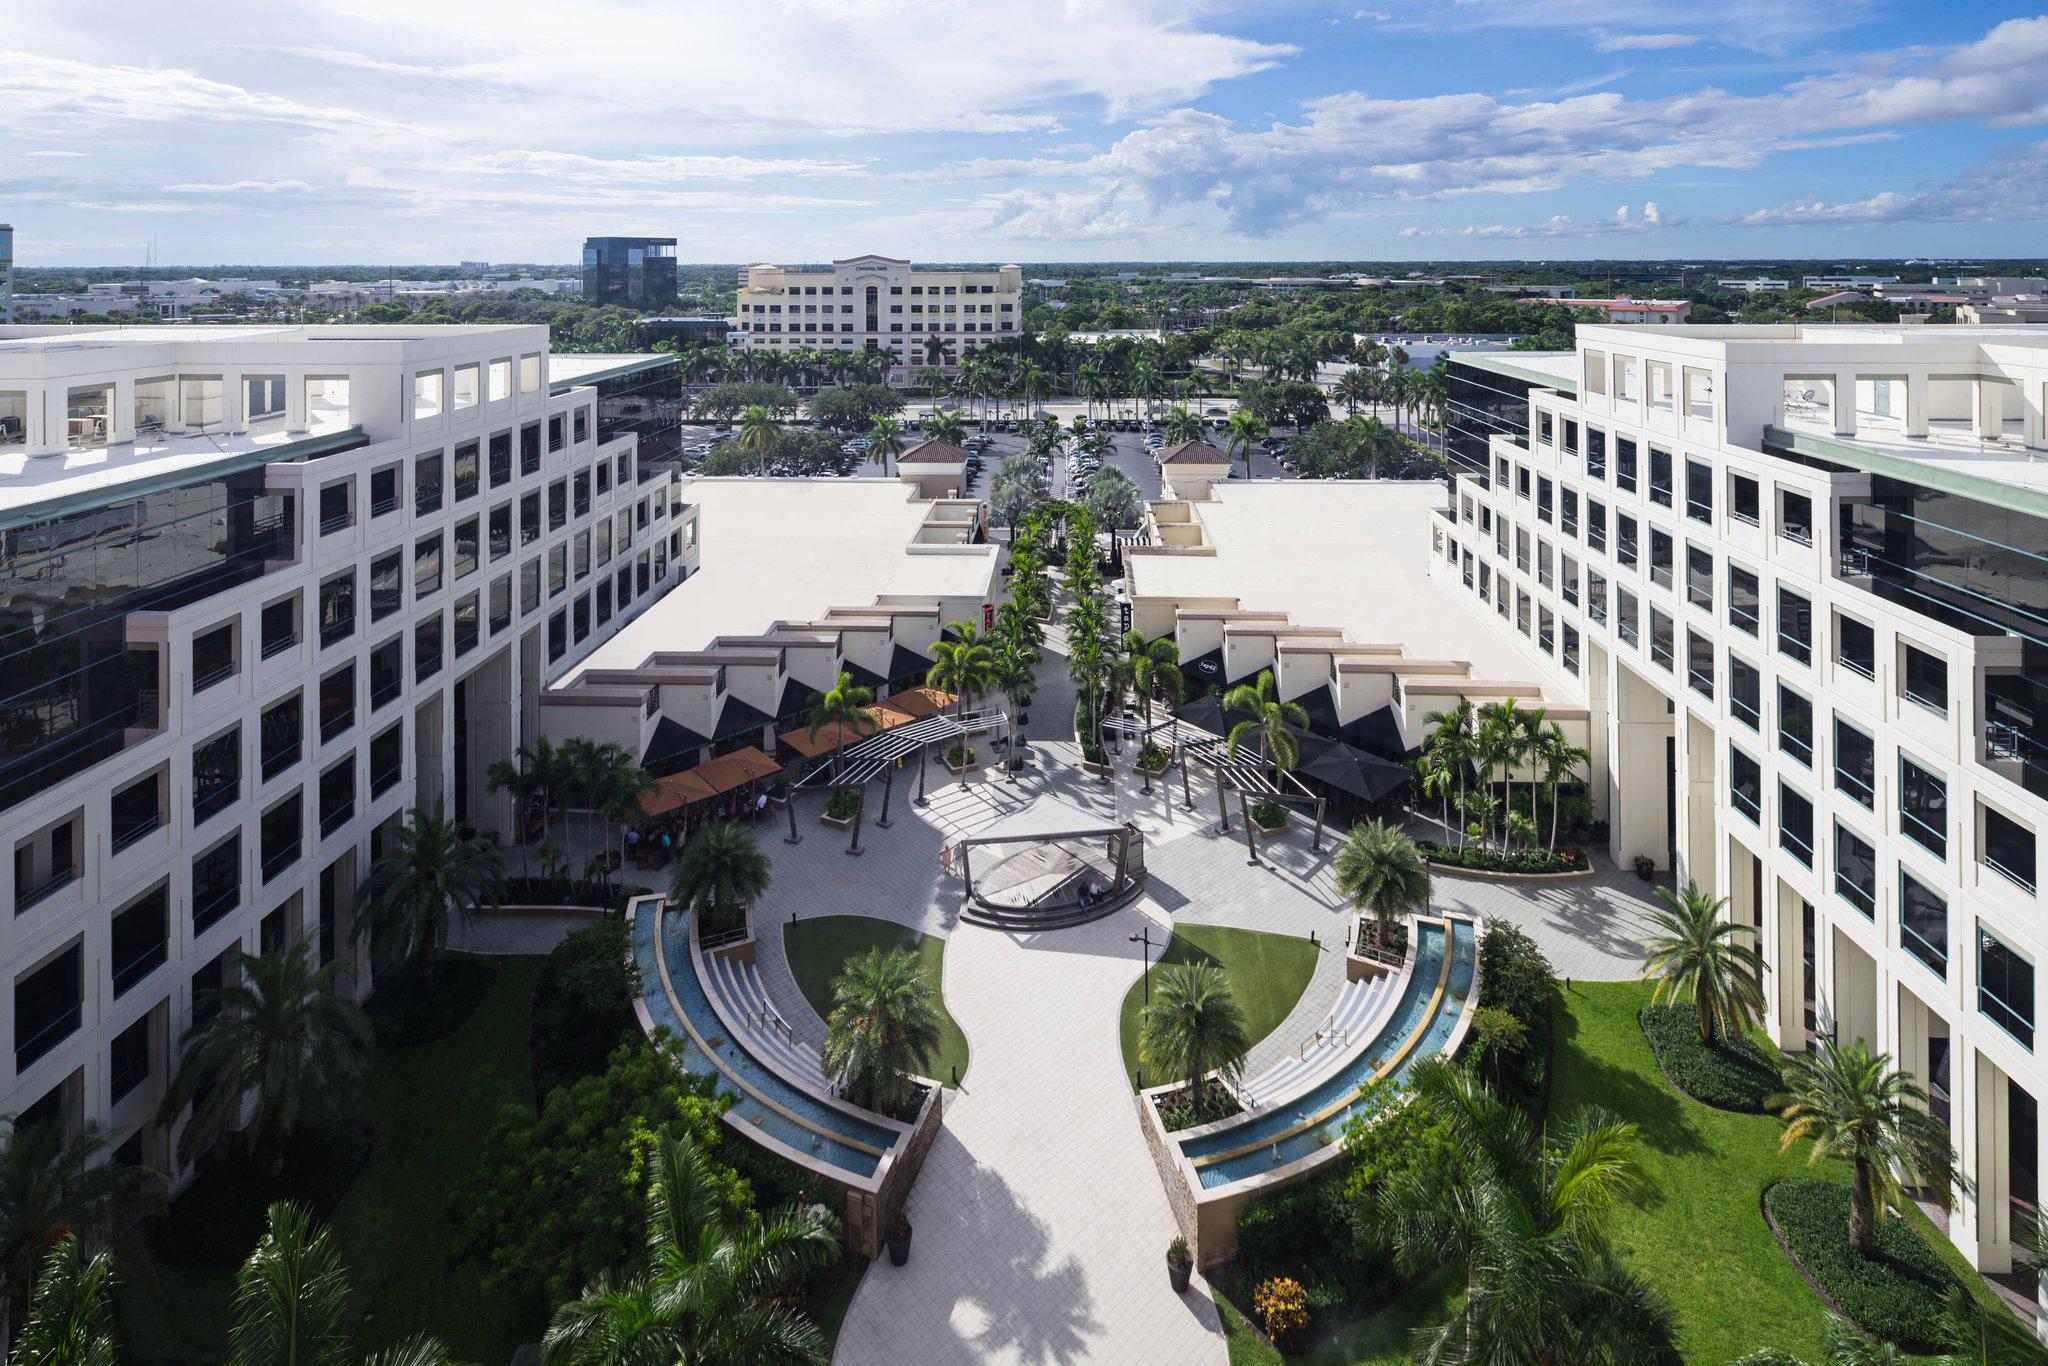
(50, 1188)
(1013, 671)
(885, 442)
(1268, 720)
(1505, 741)
(845, 706)
(1450, 745)
(430, 870)
(1695, 951)
(1355, 390)
(884, 1027)
(1383, 872)
(961, 666)
(277, 1043)
(946, 425)
(1192, 1027)
(1558, 758)
(291, 1303)
(615, 790)
(758, 433)
(534, 776)
(1853, 1104)
(713, 1286)
(1182, 425)
(1242, 432)
(67, 1320)
(720, 874)
(1528, 1218)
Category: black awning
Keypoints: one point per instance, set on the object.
(1203, 672)
(863, 677)
(1322, 712)
(739, 716)
(796, 702)
(907, 668)
(1376, 732)
(1337, 765)
(672, 749)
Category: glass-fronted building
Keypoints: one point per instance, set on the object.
(1486, 394)
(637, 272)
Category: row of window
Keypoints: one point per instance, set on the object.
(946, 290)
(460, 388)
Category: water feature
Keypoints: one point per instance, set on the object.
(733, 1060)
(1412, 1018)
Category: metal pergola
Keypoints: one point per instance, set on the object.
(880, 755)
(1248, 778)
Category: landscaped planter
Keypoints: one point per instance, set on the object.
(1164, 762)
(836, 822)
(967, 765)
(1270, 832)
(1489, 875)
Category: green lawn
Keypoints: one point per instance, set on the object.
(1266, 972)
(431, 1106)
(818, 948)
(1385, 1339)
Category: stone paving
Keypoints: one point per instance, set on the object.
(528, 936)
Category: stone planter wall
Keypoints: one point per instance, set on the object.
(1487, 875)
(899, 1170)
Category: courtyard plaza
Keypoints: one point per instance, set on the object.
(1040, 1221)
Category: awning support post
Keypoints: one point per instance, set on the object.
(888, 783)
(1316, 844)
(789, 803)
(1244, 808)
(860, 806)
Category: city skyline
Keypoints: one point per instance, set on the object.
(323, 133)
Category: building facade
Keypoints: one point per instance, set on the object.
(920, 319)
(265, 589)
(6, 273)
(1799, 578)
(634, 272)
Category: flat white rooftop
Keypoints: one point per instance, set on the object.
(62, 479)
(792, 550)
(1353, 554)
(584, 367)
(59, 337)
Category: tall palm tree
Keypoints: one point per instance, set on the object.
(67, 1319)
(1268, 720)
(51, 1187)
(721, 872)
(1242, 432)
(1383, 872)
(758, 433)
(712, 1286)
(616, 790)
(1013, 671)
(1504, 742)
(1354, 390)
(845, 706)
(1450, 744)
(1852, 1103)
(885, 442)
(946, 424)
(291, 1297)
(1192, 1027)
(884, 1027)
(1556, 758)
(961, 666)
(1182, 424)
(431, 871)
(1528, 1218)
(535, 777)
(277, 1043)
(1696, 952)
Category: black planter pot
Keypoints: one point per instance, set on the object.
(1180, 1272)
(899, 1247)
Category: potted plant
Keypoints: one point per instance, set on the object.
(1270, 817)
(1646, 867)
(899, 1239)
(839, 808)
(1179, 1265)
(1154, 759)
(960, 759)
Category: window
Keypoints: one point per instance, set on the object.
(1661, 551)
(337, 702)
(280, 730)
(426, 648)
(337, 796)
(1743, 499)
(1855, 871)
(582, 416)
(498, 381)
(582, 498)
(581, 546)
(336, 512)
(579, 618)
(1660, 477)
(529, 374)
(2005, 987)
(500, 532)
(501, 459)
(1546, 497)
(1924, 679)
(1923, 808)
(216, 775)
(529, 449)
(426, 565)
(1626, 549)
(1795, 517)
(426, 485)
(1569, 577)
(529, 586)
(465, 625)
(1569, 651)
(1699, 491)
(1795, 825)
(603, 470)
(2008, 847)
(1855, 765)
(1699, 663)
(501, 603)
(1744, 692)
(1855, 647)
(213, 657)
(1795, 726)
(387, 671)
(216, 883)
(1745, 601)
(387, 759)
(1568, 512)
(1596, 526)
(384, 491)
(1662, 640)
(47, 1005)
(1625, 616)
(427, 388)
(338, 609)
(140, 940)
(387, 585)
(1795, 626)
(558, 569)
(465, 387)
(529, 518)
(281, 831)
(558, 636)
(1923, 923)
(1596, 454)
(466, 474)
(128, 1060)
(556, 433)
(1699, 578)
(1625, 464)
(1746, 785)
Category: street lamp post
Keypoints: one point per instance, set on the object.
(1144, 936)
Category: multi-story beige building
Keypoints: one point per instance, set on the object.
(923, 319)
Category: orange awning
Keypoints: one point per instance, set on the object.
(921, 702)
(735, 770)
(831, 737)
(676, 790)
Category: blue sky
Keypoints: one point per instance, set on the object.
(399, 131)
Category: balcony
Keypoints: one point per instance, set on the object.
(27, 899)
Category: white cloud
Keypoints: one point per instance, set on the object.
(1559, 226)
(1029, 216)
(2011, 188)
(1646, 42)
(1753, 25)
(52, 152)
(243, 187)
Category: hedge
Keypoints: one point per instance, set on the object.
(1515, 976)
(1482, 858)
(582, 1004)
(1735, 1074)
(1315, 1234)
(562, 891)
(1901, 1296)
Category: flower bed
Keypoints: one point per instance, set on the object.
(1481, 858)
(1270, 816)
(1177, 1112)
(569, 892)
(1899, 1296)
(1734, 1074)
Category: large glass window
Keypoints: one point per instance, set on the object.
(2008, 847)
(1855, 870)
(1855, 765)
(1923, 808)
(1745, 601)
(48, 1006)
(1699, 578)
(427, 395)
(216, 883)
(1795, 725)
(1924, 679)
(140, 939)
(216, 775)
(1795, 626)
(1855, 646)
(1699, 491)
(1745, 695)
(1923, 923)
(1795, 824)
(2005, 987)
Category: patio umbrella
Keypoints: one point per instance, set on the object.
(1353, 771)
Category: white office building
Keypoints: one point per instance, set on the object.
(265, 589)
(922, 319)
(1758, 285)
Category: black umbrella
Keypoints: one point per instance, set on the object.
(1336, 764)
(1376, 732)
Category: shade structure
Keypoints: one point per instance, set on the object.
(735, 770)
(832, 736)
(675, 791)
(1377, 733)
(1045, 818)
(670, 747)
(1050, 856)
(740, 717)
(1203, 672)
(1321, 710)
(908, 666)
(1206, 712)
(1338, 765)
(921, 702)
(863, 677)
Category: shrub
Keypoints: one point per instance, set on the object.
(1270, 814)
(582, 1004)
(1515, 976)
(1901, 1296)
(1176, 1111)
(1483, 858)
(1283, 1309)
(1735, 1074)
(565, 891)
(1316, 1234)
(841, 805)
(960, 755)
(403, 1012)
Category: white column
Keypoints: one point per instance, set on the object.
(295, 404)
(1845, 402)
(1992, 1249)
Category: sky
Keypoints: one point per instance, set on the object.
(424, 131)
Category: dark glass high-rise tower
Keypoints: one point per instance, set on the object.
(638, 272)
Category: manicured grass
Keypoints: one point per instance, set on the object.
(1266, 972)
(818, 948)
(431, 1107)
(1386, 1338)
(1698, 1234)
(1737, 1073)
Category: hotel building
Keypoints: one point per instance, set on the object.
(265, 589)
(922, 319)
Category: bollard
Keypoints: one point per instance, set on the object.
(956, 1076)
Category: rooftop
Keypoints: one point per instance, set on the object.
(792, 550)
(1551, 369)
(566, 372)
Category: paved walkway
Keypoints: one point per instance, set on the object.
(530, 936)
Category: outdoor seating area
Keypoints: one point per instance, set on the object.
(731, 787)
(1050, 857)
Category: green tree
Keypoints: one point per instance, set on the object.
(721, 873)
(1268, 721)
(1383, 873)
(275, 1045)
(1556, 758)
(67, 1319)
(845, 706)
(1013, 671)
(430, 871)
(1192, 1027)
(758, 430)
(50, 1187)
(1853, 1104)
(885, 442)
(1505, 741)
(883, 1028)
(535, 777)
(961, 666)
(1528, 1219)
(946, 424)
(709, 1285)
(1449, 748)
(1113, 499)
(1243, 430)
(291, 1297)
(1182, 424)
(1695, 952)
